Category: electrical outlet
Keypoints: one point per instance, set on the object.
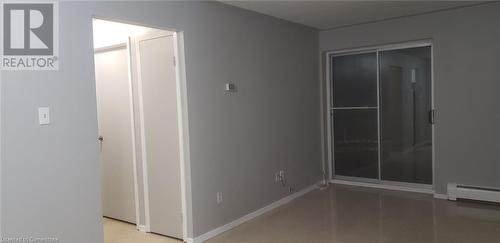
(279, 176)
(219, 197)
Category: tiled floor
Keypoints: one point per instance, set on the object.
(119, 232)
(346, 214)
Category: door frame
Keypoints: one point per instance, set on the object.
(378, 183)
(183, 126)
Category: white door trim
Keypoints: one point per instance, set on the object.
(111, 47)
(132, 120)
(136, 66)
(182, 108)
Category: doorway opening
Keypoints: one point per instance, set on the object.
(381, 116)
(140, 107)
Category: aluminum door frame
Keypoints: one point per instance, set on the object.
(330, 108)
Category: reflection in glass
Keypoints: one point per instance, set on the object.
(356, 142)
(405, 103)
(355, 80)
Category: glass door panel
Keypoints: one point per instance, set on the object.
(355, 80)
(405, 105)
(355, 117)
(356, 142)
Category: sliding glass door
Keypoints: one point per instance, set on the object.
(381, 107)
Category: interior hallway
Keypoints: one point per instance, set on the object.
(363, 215)
(120, 232)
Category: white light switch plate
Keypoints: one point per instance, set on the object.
(43, 115)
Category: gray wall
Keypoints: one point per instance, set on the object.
(466, 85)
(50, 175)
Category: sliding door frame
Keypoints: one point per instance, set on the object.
(378, 183)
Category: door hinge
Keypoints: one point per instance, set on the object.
(432, 116)
(173, 58)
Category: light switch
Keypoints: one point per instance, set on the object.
(44, 115)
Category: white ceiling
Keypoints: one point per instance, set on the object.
(333, 14)
(108, 33)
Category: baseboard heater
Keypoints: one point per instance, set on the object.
(457, 191)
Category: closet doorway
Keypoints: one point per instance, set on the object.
(380, 130)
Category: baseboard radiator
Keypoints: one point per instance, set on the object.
(457, 191)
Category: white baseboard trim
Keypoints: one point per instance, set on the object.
(251, 216)
(479, 193)
(383, 186)
(142, 228)
(441, 196)
(189, 240)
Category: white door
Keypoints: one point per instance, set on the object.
(154, 57)
(115, 128)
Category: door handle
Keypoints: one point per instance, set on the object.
(100, 138)
(432, 116)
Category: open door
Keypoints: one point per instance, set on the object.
(154, 60)
(116, 134)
